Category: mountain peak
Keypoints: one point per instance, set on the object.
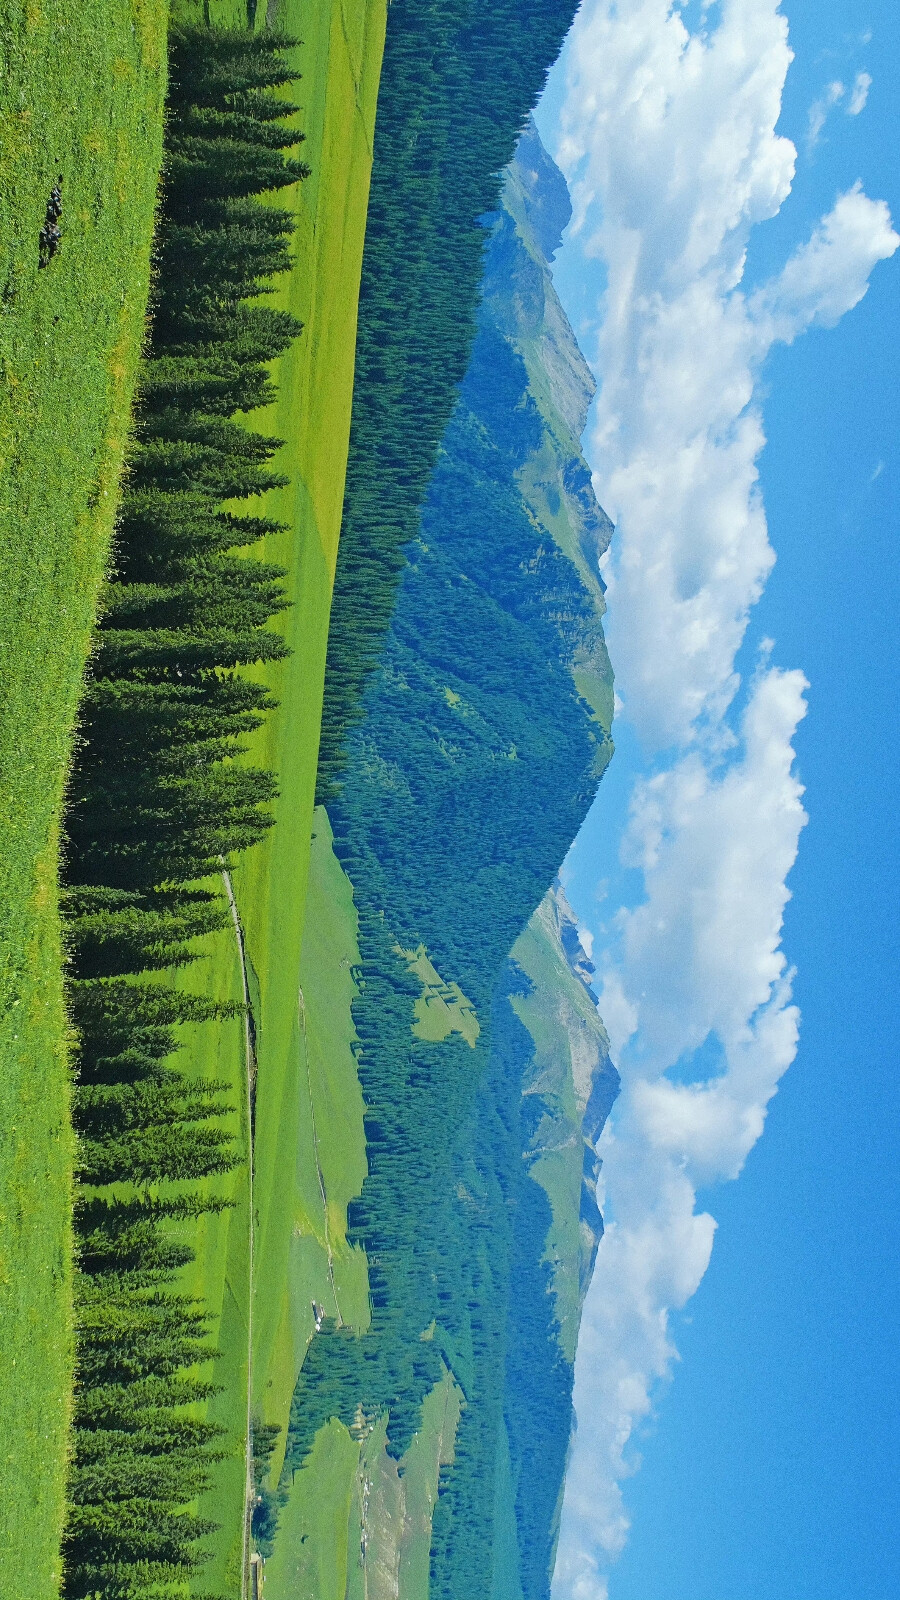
(544, 189)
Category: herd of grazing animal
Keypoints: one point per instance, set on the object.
(50, 236)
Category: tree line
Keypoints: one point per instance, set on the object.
(159, 803)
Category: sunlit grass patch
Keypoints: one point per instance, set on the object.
(81, 94)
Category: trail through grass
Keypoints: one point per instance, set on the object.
(81, 93)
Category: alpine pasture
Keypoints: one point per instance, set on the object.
(339, 58)
(81, 96)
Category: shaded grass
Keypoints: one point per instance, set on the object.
(81, 93)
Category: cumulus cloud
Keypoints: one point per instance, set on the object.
(859, 94)
(827, 276)
(669, 141)
(652, 1260)
(700, 957)
(702, 952)
(832, 95)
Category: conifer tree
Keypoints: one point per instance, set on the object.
(158, 801)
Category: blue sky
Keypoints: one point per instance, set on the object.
(770, 1444)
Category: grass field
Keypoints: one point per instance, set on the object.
(321, 1152)
(357, 1525)
(313, 1559)
(323, 1156)
(565, 1027)
(81, 94)
(306, 1070)
(340, 59)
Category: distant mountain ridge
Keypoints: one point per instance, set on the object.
(521, 302)
(486, 1077)
(569, 1088)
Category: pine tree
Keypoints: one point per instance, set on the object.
(159, 800)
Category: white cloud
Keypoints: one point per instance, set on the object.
(701, 955)
(671, 145)
(835, 94)
(859, 94)
(829, 274)
(677, 438)
(669, 140)
(832, 95)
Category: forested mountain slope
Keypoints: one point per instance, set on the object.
(458, 81)
(476, 751)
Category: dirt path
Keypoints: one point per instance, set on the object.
(301, 1004)
(249, 1074)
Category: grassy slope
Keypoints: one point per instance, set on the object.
(312, 1559)
(340, 62)
(327, 1154)
(432, 1447)
(565, 1025)
(351, 1497)
(81, 93)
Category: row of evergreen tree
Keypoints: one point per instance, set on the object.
(158, 804)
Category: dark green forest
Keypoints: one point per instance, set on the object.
(458, 81)
(465, 778)
(158, 807)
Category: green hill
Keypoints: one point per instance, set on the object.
(477, 747)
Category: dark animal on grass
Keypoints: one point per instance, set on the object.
(50, 236)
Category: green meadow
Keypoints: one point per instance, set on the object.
(81, 94)
(351, 1499)
(320, 1154)
(309, 1147)
(303, 1252)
